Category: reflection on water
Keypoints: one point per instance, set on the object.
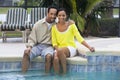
(40, 75)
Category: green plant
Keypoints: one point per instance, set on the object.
(105, 9)
(13, 34)
(0, 22)
(109, 27)
(77, 9)
(76, 16)
(92, 24)
(3, 10)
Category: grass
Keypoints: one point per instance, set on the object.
(116, 11)
(4, 10)
(12, 34)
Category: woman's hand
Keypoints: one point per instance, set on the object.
(55, 54)
(92, 49)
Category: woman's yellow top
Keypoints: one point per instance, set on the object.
(66, 38)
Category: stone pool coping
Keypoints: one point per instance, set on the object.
(75, 60)
(11, 52)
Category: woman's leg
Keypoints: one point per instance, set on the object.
(63, 53)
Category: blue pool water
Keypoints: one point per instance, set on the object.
(40, 75)
(99, 67)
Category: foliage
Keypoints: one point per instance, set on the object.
(80, 12)
(76, 16)
(92, 24)
(90, 5)
(105, 9)
(77, 9)
(30, 2)
(0, 22)
(21, 3)
(108, 27)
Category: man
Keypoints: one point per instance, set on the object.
(39, 42)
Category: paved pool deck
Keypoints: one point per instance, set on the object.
(14, 47)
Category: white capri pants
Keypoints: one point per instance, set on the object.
(73, 51)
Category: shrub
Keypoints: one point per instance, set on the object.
(108, 27)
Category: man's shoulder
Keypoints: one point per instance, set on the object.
(70, 22)
(39, 22)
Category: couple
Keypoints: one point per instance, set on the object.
(53, 41)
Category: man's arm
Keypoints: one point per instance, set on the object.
(71, 22)
(32, 40)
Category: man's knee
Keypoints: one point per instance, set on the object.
(48, 57)
(26, 52)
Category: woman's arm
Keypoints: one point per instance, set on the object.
(92, 49)
(81, 39)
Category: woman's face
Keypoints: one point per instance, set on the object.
(61, 16)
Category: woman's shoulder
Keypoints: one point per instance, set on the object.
(54, 26)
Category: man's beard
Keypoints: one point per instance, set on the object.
(53, 20)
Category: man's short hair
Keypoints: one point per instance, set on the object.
(50, 7)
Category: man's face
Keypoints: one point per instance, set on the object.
(51, 16)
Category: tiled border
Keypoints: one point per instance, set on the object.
(93, 62)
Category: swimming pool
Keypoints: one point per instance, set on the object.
(39, 75)
(99, 66)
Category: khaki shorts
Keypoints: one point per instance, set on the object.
(41, 50)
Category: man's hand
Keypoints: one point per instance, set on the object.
(28, 50)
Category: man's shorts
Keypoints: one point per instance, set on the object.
(41, 50)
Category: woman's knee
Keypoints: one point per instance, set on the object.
(60, 52)
(55, 60)
(66, 51)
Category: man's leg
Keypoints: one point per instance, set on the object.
(29, 54)
(47, 54)
(48, 63)
(56, 64)
(25, 61)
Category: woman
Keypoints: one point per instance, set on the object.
(63, 35)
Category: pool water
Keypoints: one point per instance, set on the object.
(40, 75)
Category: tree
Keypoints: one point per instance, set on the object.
(105, 9)
(77, 10)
